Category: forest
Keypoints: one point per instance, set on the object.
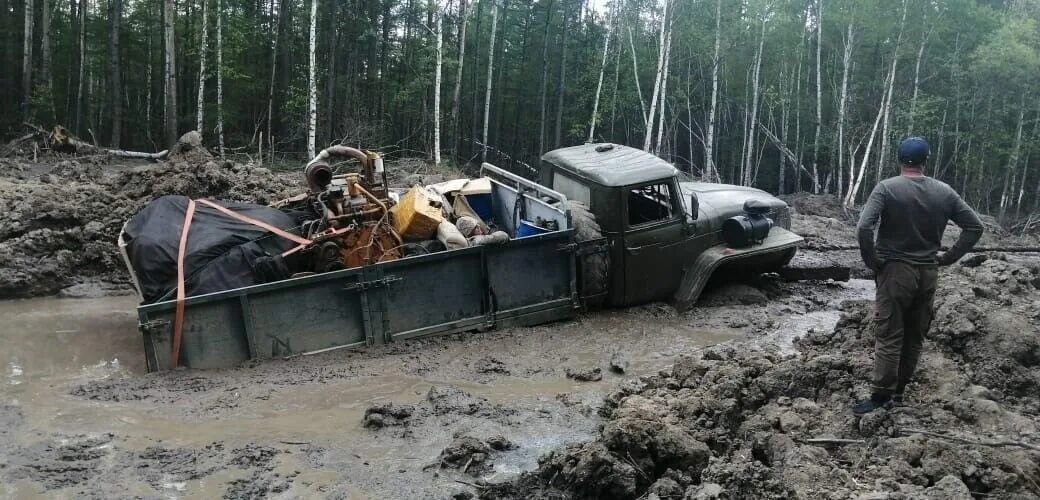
(783, 95)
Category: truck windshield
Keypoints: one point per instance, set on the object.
(649, 203)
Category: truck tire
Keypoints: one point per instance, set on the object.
(593, 268)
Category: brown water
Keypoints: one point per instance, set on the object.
(50, 346)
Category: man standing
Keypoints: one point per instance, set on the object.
(913, 211)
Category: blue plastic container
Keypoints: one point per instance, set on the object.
(527, 228)
(481, 204)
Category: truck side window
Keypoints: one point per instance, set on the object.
(650, 203)
(572, 189)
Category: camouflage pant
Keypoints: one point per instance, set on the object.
(905, 295)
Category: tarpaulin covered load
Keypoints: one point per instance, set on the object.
(221, 252)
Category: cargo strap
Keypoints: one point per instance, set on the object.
(189, 214)
(178, 316)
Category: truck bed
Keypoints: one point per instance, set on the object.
(526, 281)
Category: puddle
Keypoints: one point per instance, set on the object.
(52, 345)
(798, 325)
(52, 338)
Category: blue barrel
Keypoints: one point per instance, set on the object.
(527, 228)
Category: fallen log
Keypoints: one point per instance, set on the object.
(64, 142)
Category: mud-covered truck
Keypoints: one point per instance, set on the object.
(607, 225)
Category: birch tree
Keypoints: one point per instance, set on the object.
(602, 68)
(45, 54)
(709, 141)
(561, 88)
(27, 60)
(456, 94)
(312, 83)
(846, 63)
(885, 139)
(437, 90)
(753, 118)
(220, 79)
(545, 76)
(657, 79)
(664, 93)
(854, 186)
(819, 98)
(203, 48)
(170, 72)
(82, 62)
(115, 84)
(490, 75)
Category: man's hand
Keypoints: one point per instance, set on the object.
(945, 259)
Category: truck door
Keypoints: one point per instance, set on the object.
(653, 237)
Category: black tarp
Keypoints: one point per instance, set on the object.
(222, 253)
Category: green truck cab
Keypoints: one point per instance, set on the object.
(646, 235)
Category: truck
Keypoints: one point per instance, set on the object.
(623, 228)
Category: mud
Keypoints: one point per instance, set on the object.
(728, 400)
(736, 421)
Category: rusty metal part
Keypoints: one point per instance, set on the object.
(319, 175)
(353, 209)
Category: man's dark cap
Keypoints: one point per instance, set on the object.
(913, 151)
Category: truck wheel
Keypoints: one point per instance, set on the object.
(593, 268)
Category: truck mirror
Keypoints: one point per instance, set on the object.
(694, 206)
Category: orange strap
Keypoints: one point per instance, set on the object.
(178, 317)
(284, 234)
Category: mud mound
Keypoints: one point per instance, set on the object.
(59, 229)
(736, 421)
(823, 205)
(471, 455)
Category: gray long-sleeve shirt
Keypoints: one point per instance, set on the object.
(913, 212)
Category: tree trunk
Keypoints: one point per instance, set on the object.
(917, 81)
(545, 76)
(846, 63)
(170, 78)
(664, 92)
(115, 84)
(220, 78)
(854, 186)
(602, 69)
(456, 94)
(332, 34)
(83, 4)
(709, 140)
(27, 60)
(437, 91)
(635, 75)
(490, 75)
(562, 87)
(883, 156)
(200, 125)
(648, 136)
(312, 83)
(274, 71)
(819, 99)
(1005, 196)
(45, 56)
(754, 106)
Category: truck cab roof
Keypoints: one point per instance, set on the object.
(610, 164)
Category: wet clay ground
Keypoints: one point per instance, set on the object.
(80, 417)
(729, 400)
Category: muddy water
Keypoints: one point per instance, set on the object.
(51, 346)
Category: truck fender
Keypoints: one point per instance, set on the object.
(697, 275)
